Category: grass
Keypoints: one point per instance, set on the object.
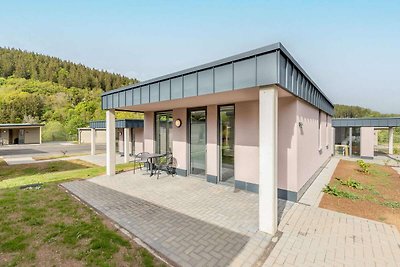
(332, 190)
(13, 180)
(49, 227)
(46, 226)
(16, 171)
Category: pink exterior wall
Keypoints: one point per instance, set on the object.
(149, 132)
(367, 142)
(212, 141)
(138, 140)
(179, 138)
(246, 142)
(301, 151)
(287, 143)
(309, 157)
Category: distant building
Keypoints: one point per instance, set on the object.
(21, 133)
(358, 136)
(127, 129)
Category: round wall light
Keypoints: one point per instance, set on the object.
(178, 123)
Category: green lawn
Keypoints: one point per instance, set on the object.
(47, 226)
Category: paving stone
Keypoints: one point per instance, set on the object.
(165, 237)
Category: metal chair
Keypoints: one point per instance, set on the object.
(167, 164)
(141, 158)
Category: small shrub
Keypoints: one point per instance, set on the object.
(351, 183)
(392, 204)
(364, 166)
(332, 190)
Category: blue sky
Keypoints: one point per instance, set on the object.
(349, 48)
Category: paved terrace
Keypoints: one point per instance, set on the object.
(189, 221)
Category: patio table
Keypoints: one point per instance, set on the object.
(151, 158)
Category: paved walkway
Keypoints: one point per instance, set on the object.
(313, 195)
(98, 159)
(313, 236)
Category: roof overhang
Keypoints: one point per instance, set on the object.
(126, 123)
(268, 65)
(366, 122)
(20, 125)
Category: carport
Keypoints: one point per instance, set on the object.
(129, 137)
(359, 134)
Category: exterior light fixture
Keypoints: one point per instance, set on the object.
(178, 123)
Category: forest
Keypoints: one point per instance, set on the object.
(61, 94)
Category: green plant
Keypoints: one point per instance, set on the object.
(391, 204)
(364, 166)
(332, 190)
(351, 183)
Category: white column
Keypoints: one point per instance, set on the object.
(268, 157)
(391, 134)
(92, 141)
(40, 134)
(350, 141)
(126, 144)
(110, 142)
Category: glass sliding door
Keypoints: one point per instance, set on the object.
(198, 134)
(226, 138)
(163, 135)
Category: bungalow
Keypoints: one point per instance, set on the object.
(255, 121)
(20, 133)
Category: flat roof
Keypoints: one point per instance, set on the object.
(9, 125)
(268, 65)
(367, 122)
(124, 123)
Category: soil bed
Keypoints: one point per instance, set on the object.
(377, 196)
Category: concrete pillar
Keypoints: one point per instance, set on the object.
(126, 144)
(40, 134)
(149, 132)
(212, 144)
(110, 142)
(367, 142)
(350, 141)
(391, 134)
(268, 159)
(138, 140)
(92, 141)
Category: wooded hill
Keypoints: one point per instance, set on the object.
(30, 65)
(59, 93)
(345, 111)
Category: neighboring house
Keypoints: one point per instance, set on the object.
(360, 134)
(127, 129)
(84, 135)
(255, 121)
(20, 133)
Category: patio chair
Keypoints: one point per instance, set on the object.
(167, 164)
(141, 158)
